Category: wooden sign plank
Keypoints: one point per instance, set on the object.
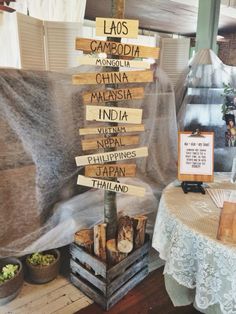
(227, 224)
(111, 156)
(116, 48)
(113, 114)
(109, 142)
(196, 157)
(108, 95)
(113, 77)
(111, 186)
(117, 27)
(119, 63)
(112, 129)
(111, 170)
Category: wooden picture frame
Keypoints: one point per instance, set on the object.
(196, 175)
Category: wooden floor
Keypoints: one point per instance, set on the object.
(58, 296)
(149, 297)
(61, 297)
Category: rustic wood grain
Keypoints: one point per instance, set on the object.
(111, 170)
(99, 46)
(227, 224)
(111, 156)
(100, 241)
(109, 142)
(112, 129)
(106, 62)
(117, 114)
(125, 234)
(113, 27)
(148, 297)
(121, 77)
(120, 94)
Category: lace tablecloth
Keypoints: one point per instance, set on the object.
(185, 236)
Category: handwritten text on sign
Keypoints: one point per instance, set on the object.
(111, 186)
(111, 170)
(116, 48)
(110, 142)
(104, 130)
(119, 63)
(111, 156)
(117, 27)
(100, 96)
(113, 77)
(113, 114)
(196, 154)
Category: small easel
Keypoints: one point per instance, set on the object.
(195, 160)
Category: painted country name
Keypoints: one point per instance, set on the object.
(111, 170)
(112, 129)
(101, 96)
(113, 77)
(111, 156)
(113, 114)
(117, 27)
(110, 186)
(118, 63)
(109, 142)
(116, 48)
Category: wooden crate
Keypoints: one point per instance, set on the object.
(106, 286)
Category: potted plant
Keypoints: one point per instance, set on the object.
(228, 110)
(11, 279)
(229, 104)
(43, 266)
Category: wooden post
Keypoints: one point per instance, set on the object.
(110, 207)
(125, 234)
(113, 255)
(100, 241)
(139, 223)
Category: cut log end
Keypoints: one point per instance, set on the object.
(125, 246)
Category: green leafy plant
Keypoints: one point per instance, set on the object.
(41, 259)
(229, 100)
(8, 272)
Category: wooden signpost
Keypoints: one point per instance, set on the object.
(113, 114)
(116, 48)
(117, 27)
(101, 169)
(111, 156)
(111, 170)
(106, 130)
(111, 186)
(104, 62)
(110, 142)
(104, 95)
(113, 77)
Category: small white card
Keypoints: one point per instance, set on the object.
(196, 154)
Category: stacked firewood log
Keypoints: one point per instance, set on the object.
(130, 236)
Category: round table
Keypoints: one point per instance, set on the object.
(199, 268)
